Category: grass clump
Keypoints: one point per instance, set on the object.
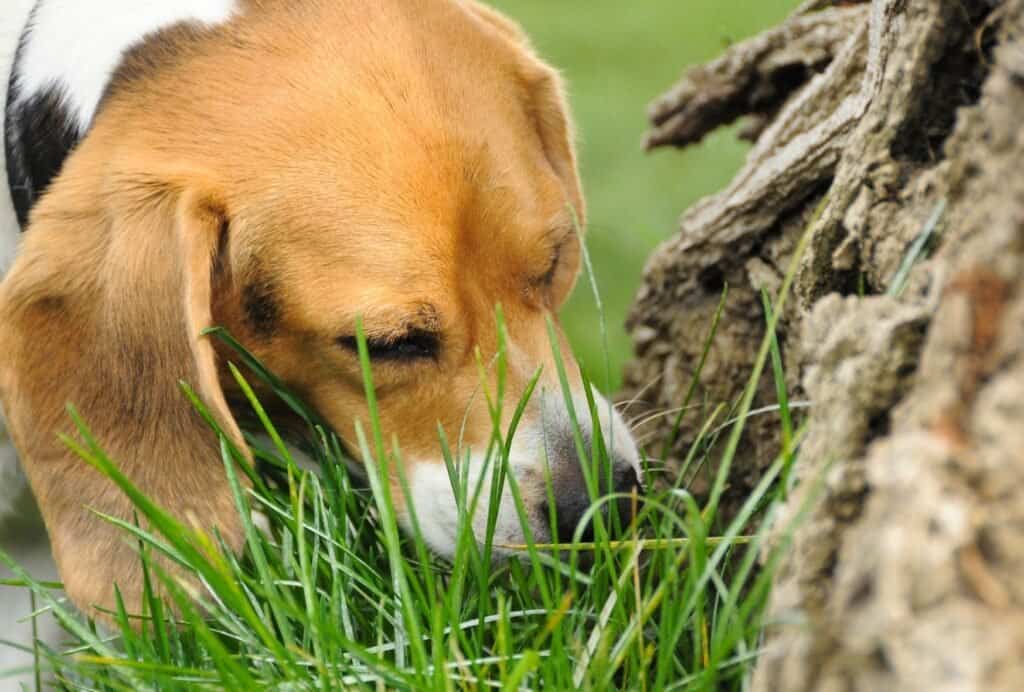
(334, 596)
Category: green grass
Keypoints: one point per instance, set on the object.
(617, 57)
(336, 596)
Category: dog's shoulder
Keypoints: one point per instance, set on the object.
(68, 53)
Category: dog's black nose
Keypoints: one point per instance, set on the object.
(572, 499)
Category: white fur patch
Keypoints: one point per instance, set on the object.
(437, 512)
(79, 43)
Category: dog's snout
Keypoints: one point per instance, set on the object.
(573, 499)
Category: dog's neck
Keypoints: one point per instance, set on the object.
(61, 58)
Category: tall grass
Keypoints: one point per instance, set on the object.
(333, 595)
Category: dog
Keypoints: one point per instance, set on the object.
(285, 169)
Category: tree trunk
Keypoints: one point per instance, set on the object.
(875, 126)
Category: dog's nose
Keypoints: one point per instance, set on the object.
(572, 499)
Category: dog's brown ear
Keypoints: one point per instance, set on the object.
(104, 308)
(545, 102)
(547, 105)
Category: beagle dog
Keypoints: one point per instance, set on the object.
(284, 168)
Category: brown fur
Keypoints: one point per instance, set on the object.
(407, 161)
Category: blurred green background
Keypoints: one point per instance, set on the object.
(617, 56)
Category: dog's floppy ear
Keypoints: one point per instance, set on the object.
(104, 308)
(545, 102)
(547, 106)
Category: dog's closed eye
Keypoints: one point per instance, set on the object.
(414, 345)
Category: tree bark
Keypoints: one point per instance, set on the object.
(877, 125)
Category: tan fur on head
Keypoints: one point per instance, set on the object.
(302, 166)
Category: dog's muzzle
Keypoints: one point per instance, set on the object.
(559, 480)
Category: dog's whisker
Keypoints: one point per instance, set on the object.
(637, 422)
(773, 408)
(629, 403)
(763, 410)
(625, 405)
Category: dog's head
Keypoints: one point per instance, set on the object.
(288, 175)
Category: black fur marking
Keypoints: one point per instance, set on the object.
(40, 135)
(261, 308)
(12, 158)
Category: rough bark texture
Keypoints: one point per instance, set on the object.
(894, 118)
